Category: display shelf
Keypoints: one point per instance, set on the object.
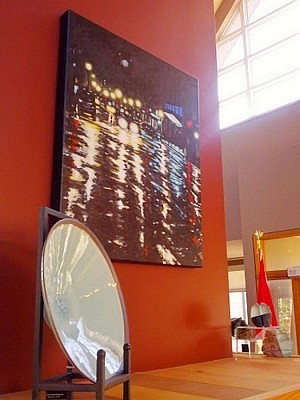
(251, 335)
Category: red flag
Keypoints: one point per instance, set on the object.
(263, 290)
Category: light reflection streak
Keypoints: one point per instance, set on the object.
(120, 163)
(138, 169)
(73, 197)
(76, 176)
(90, 182)
(138, 187)
(91, 140)
(166, 255)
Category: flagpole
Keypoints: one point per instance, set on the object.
(258, 235)
(263, 291)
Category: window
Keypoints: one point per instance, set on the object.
(237, 292)
(238, 304)
(237, 297)
(258, 59)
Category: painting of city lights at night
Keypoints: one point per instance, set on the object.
(127, 154)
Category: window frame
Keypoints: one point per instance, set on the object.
(252, 88)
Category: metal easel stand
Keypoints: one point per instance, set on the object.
(70, 381)
(65, 382)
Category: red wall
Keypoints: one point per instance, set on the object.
(176, 315)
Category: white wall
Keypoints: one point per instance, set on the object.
(261, 171)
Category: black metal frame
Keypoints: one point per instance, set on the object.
(71, 381)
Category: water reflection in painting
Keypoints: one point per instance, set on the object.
(130, 167)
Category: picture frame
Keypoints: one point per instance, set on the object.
(126, 151)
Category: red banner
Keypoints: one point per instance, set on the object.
(263, 291)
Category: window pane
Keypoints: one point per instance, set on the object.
(277, 94)
(230, 52)
(232, 82)
(259, 8)
(237, 301)
(275, 62)
(237, 280)
(282, 295)
(234, 25)
(281, 253)
(238, 308)
(233, 110)
(274, 29)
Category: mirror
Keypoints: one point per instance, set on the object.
(83, 299)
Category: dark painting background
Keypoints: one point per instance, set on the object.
(129, 142)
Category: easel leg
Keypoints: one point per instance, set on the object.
(35, 394)
(127, 368)
(126, 390)
(100, 375)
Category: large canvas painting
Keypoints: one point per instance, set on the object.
(127, 160)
